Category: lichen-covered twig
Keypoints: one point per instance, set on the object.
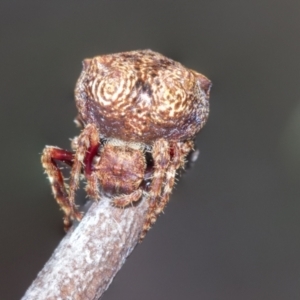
(87, 259)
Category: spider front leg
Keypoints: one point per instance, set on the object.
(161, 159)
(179, 153)
(125, 200)
(87, 146)
(59, 189)
(166, 172)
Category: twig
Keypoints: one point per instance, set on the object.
(87, 259)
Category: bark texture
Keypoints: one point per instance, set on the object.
(87, 259)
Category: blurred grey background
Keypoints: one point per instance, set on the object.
(231, 230)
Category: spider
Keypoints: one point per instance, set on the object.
(140, 112)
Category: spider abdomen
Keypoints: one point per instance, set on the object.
(142, 96)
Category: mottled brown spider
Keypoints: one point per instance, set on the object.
(140, 112)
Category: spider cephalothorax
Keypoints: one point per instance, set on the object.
(140, 112)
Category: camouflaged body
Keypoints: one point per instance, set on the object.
(141, 96)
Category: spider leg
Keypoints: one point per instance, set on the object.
(169, 181)
(87, 145)
(178, 153)
(124, 200)
(161, 158)
(59, 189)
